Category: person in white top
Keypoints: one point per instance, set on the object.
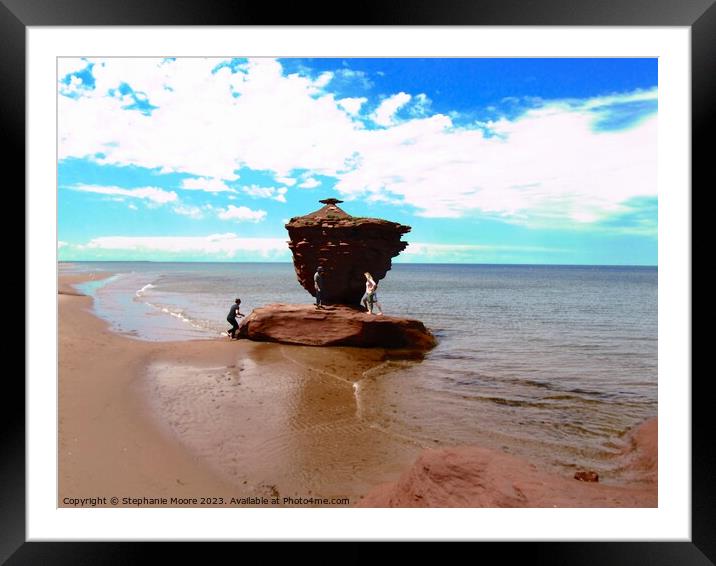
(371, 297)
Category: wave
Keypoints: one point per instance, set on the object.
(180, 314)
(141, 291)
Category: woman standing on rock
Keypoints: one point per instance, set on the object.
(371, 297)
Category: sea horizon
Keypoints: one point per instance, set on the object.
(394, 263)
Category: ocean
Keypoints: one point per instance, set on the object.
(548, 362)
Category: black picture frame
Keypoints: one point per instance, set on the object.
(17, 15)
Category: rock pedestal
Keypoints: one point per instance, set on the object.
(337, 325)
(346, 246)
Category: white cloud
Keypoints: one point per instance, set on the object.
(548, 166)
(208, 124)
(357, 77)
(421, 107)
(310, 183)
(385, 113)
(194, 212)
(61, 244)
(228, 244)
(639, 95)
(208, 185)
(152, 194)
(241, 214)
(442, 250)
(288, 181)
(132, 206)
(69, 65)
(352, 105)
(323, 79)
(275, 193)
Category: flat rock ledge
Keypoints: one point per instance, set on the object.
(334, 325)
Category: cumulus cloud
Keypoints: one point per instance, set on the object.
(206, 123)
(275, 193)
(152, 194)
(309, 183)
(70, 65)
(288, 181)
(352, 105)
(547, 166)
(357, 77)
(384, 115)
(194, 212)
(421, 106)
(323, 79)
(205, 184)
(241, 214)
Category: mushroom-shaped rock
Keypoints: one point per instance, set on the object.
(346, 247)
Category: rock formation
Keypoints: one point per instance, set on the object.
(346, 246)
(474, 476)
(333, 326)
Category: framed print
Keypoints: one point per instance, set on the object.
(183, 147)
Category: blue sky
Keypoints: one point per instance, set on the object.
(489, 160)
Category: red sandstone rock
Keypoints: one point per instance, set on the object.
(346, 246)
(337, 325)
(586, 476)
(470, 476)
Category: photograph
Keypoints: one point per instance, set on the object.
(421, 277)
(357, 282)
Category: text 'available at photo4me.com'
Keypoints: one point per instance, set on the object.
(234, 501)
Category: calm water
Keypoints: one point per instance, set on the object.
(544, 361)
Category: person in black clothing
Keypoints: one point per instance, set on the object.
(231, 318)
(318, 286)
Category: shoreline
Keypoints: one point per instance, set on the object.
(139, 418)
(176, 419)
(108, 443)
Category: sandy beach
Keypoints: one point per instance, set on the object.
(214, 419)
(243, 423)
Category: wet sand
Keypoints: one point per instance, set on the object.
(218, 419)
(109, 445)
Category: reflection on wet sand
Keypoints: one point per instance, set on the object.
(283, 420)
